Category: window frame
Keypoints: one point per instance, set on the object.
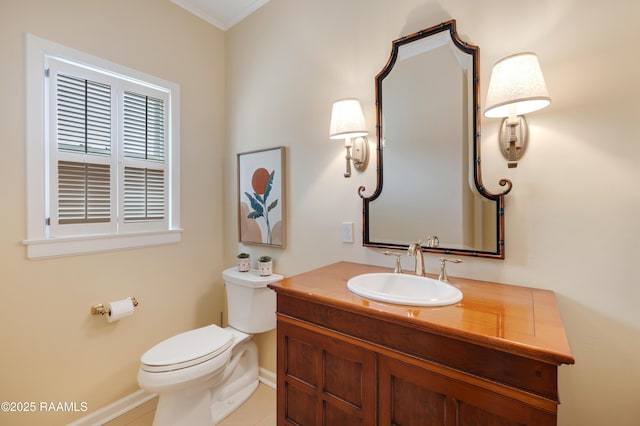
(39, 242)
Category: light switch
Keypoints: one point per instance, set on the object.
(347, 232)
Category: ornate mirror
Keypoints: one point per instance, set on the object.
(429, 185)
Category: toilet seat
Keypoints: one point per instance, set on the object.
(187, 349)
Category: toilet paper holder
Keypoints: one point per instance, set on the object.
(101, 309)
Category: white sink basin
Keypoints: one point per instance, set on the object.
(404, 289)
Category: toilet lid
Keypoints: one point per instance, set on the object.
(188, 348)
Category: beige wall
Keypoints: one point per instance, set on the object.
(571, 220)
(572, 217)
(51, 348)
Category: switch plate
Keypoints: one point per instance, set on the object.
(347, 232)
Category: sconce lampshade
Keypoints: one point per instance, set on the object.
(347, 120)
(516, 86)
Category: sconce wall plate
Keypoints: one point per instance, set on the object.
(513, 148)
(360, 153)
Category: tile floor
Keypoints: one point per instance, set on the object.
(259, 410)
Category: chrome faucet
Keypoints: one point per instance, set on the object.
(415, 249)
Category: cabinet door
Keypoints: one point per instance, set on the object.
(416, 396)
(323, 379)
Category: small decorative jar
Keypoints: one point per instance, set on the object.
(244, 262)
(265, 266)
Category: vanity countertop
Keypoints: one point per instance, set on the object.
(520, 320)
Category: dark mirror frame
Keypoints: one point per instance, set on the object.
(498, 198)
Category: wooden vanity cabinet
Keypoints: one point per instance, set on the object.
(326, 380)
(344, 360)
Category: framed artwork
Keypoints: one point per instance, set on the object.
(261, 197)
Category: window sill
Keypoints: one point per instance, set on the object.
(68, 246)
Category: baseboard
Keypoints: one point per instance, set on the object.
(267, 377)
(115, 409)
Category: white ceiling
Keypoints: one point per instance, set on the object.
(224, 14)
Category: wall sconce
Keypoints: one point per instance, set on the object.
(347, 121)
(516, 88)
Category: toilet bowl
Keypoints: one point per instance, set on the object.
(203, 375)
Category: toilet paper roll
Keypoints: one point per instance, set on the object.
(120, 309)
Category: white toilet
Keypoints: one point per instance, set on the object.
(203, 375)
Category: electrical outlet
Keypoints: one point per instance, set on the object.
(347, 232)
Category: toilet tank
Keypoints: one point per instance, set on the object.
(251, 305)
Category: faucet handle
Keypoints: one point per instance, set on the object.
(443, 271)
(398, 268)
(433, 241)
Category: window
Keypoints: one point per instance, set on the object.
(102, 154)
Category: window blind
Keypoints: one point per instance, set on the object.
(144, 140)
(83, 127)
(143, 127)
(143, 194)
(84, 192)
(83, 115)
